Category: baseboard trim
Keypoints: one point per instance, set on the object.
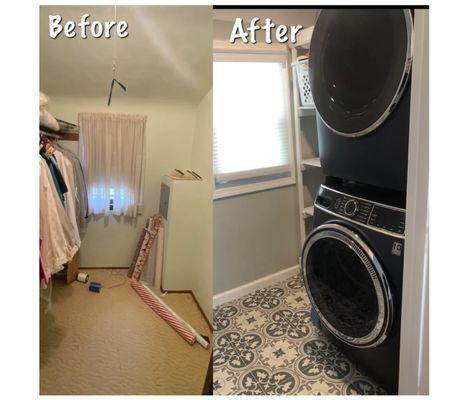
(248, 288)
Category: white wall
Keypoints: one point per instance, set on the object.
(110, 241)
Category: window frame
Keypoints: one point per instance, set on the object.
(228, 53)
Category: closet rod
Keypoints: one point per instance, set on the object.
(49, 134)
(70, 136)
(61, 136)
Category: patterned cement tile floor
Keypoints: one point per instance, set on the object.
(266, 344)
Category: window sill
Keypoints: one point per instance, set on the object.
(252, 188)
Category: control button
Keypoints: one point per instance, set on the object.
(351, 208)
(323, 201)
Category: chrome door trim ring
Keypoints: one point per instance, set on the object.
(399, 91)
(384, 297)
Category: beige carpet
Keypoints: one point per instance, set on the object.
(112, 343)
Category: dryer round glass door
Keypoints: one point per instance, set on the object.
(359, 63)
(346, 285)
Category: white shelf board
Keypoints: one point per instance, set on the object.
(306, 111)
(308, 211)
(311, 162)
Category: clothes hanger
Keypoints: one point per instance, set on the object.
(43, 145)
(49, 149)
(111, 89)
(47, 143)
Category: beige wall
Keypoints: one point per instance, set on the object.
(202, 150)
(109, 241)
(201, 278)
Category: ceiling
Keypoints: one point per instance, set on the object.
(167, 54)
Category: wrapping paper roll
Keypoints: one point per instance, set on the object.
(158, 307)
(145, 247)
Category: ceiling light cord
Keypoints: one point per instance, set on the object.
(122, 86)
(114, 42)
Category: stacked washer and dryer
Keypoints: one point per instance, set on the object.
(352, 262)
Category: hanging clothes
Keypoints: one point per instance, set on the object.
(58, 180)
(63, 198)
(82, 204)
(44, 277)
(66, 168)
(83, 210)
(59, 243)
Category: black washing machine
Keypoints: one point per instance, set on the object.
(359, 68)
(352, 265)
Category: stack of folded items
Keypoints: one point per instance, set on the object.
(47, 120)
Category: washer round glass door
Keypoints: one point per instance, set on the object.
(359, 63)
(346, 285)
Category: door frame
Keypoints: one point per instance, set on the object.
(414, 348)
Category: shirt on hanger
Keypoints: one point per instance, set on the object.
(56, 232)
(58, 180)
(82, 204)
(67, 172)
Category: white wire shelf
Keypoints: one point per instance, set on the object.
(311, 162)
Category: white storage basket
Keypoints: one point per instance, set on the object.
(302, 73)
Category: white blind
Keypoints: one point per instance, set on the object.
(250, 125)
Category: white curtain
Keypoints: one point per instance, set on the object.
(112, 153)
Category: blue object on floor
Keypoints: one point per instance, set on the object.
(95, 287)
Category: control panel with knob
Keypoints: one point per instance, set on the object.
(379, 216)
(351, 208)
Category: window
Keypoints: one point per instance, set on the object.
(252, 149)
(112, 152)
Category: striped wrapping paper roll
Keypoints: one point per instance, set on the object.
(163, 312)
(143, 255)
(144, 251)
